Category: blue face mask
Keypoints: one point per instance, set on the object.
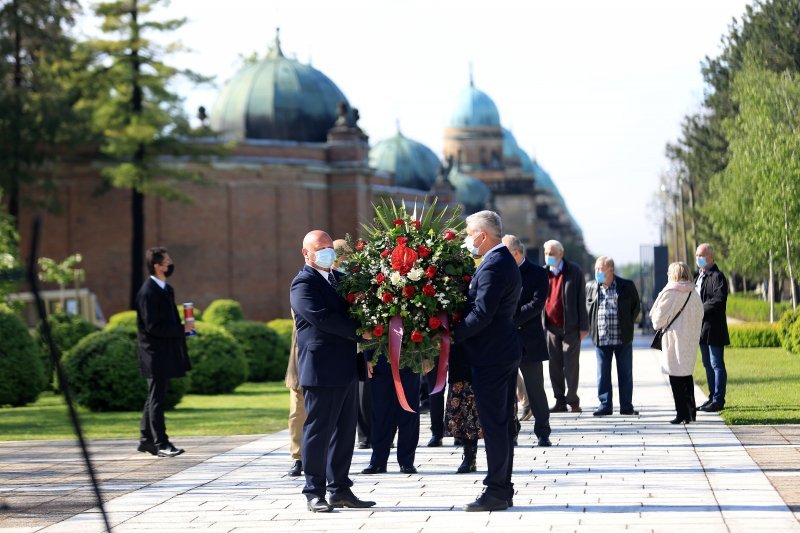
(600, 277)
(325, 257)
(701, 262)
(551, 260)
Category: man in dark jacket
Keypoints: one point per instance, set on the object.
(712, 287)
(567, 324)
(162, 350)
(613, 305)
(528, 320)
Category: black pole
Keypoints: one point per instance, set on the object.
(62, 380)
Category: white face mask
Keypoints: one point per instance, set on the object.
(325, 257)
(469, 244)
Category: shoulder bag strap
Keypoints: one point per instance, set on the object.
(679, 312)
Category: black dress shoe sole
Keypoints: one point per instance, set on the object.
(370, 471)
(602, 413)
(629, 413)
(434, 444)
(148, 448)
(338, 504)
(469, 508)
(545, 443)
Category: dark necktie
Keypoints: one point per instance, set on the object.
(332, 280)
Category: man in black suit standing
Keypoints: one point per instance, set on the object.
(491, 344)
(528, 320)
(327, 366)
(162, 350)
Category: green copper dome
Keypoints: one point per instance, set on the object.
(471, 192)
(413, 164)
(277, 98)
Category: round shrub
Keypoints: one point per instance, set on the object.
(754, 335)
(67, 329)
(21, 374)
(284, 327)
(263, 348)
(103, 373)
(222, 312)
(125, 318)
(786, 330)
(218, 361)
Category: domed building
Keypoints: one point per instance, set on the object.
(412, 164)
(471, 193)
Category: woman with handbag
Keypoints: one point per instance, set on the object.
(677, 316)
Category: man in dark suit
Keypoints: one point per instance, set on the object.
(712, 287)
(327, 365)
(161, 350)
(528, 320)
(491, 344)
(613, 304)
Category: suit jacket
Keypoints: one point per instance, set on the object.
(714, 294)
(487, 330)
(573, 295)
(292, 380)
(628, 307)
(326, 335)
(528, 318)
(162, 341)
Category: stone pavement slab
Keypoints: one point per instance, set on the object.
(614, 473)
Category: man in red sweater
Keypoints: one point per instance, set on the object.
(567, 323)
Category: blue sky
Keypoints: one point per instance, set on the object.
(592, 90)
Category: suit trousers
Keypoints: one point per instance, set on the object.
(329, 434)
(533, 375)
(152, 425)
(364, 422)
(388, 417)
(436, 402)
(683, 395)
(564, 348)
(495, 392)
(297, 417)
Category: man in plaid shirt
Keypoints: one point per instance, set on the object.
(613, 305)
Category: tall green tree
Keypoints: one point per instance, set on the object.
(138, 115)
(33, 103)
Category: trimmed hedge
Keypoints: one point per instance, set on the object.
(123, 319)
(263, 348)
(284, 327)
(67, 330)
(21, 374)
(223, 312)
(754, 335)
(219, 364)
(789, 331)
(104, 374)
(752, 309)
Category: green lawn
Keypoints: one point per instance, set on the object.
(763, 386)
(254, 408)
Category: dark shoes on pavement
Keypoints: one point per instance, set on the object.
(601, 411)
(408, 469)
(168, 450)
(680, 420)
(435, 442)
(486, 503)
(364, 445)
(147, 447)
(713, 407)
(296, 469)
(629, 412)
(374, 469)
(575, 407)
(544, 442)
(559, 408)
(319, 505)
(348, 499)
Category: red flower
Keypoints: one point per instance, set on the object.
(467, 277)
(377, 331)
(434, 322)
(449, 235)
(403, 257)
(355, 268)
(351, 298)
(398, 222)
(385, 253)
(401, 241)
(457, 316)
(428, 290)
(423, 251)
(409, 291)
(360, 245)
(430, 272)
(416, 336)
(416, 224)
(387, 297)
(380, 277)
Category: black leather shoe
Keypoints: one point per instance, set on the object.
(510, 503)
(602, 412)
(632, 412)
(319, 505)
(170, 451)
(148, 447)
(486, 503)
(349, 500)
(408, 469)
(704, 404)
(435, 442)
(545, 442)
(679, 420)
(713, 407)
(374, 469)
(364, 445)
(575, 408)
(296, 469)
(559, 408)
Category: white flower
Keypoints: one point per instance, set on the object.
(396, 279)
(416, 274)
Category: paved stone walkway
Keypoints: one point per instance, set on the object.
(614, 473)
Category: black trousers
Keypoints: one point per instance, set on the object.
(683, 394)
(436, 402)
(152, 426)
(388, 417)
(533, 375)
(364, 410)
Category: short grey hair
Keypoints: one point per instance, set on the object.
(606, 261)
(513, 243)
(487, 221)
(708, 247)
(554, 244)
